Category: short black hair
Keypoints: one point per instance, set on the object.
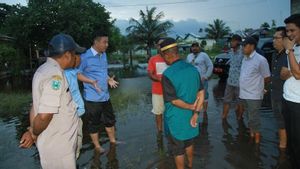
(295, 19)
(282, 30)
(250, 40)
(256, 37)
(99, 33)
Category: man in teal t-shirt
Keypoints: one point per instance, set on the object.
(184, 96)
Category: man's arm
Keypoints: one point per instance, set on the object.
(285, 73)
(198, 106)
(200, 100)
(85, 79)
(169, 93)
(210, 67)
(181, 104)
(294, 66)
(153, 77)
(41, 122)
(28, 138)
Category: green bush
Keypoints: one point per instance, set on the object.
(11, 57)
(12, 104)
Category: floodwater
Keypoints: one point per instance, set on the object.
(220, 145)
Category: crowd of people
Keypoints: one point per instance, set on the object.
(179, 94)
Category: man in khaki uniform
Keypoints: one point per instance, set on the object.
(54, 120)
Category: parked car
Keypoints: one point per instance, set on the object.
(221, 68)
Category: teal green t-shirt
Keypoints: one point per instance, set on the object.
(180, 81)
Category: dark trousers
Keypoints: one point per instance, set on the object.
(291, 113)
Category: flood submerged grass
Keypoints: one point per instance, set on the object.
(13, 103)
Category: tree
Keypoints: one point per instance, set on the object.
(149, 28)
(33, 26)
(265, 25)
(217, 30)
(273, 24)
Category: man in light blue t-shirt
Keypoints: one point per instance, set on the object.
(72, 75)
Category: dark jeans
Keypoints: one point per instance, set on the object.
(291, 113)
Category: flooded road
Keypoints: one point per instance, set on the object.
(220, 145)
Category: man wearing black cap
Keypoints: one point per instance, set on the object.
(184, 96)
(232, 89)
(254, 74)
(204, 66)
(53, 119)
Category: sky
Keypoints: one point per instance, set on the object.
(189, 16)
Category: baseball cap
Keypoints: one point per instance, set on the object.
(249, 40)
(195, 44)
(167, 44)
(236, 37)
(62, 43)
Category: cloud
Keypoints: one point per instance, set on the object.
(181, 27)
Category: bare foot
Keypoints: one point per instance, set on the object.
(100, 150)
(257, 138)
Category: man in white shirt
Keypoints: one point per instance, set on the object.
(291, 88)
(254, 73)
(204, 66)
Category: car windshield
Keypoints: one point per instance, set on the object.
(262, 41)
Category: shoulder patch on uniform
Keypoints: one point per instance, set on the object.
(56, 82)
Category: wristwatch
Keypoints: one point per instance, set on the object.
(196, 112)
(289, 50)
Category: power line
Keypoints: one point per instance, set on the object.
(159, 3)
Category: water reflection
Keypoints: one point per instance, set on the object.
(203, 147)
(13, 84)
(219, 145)
(111, 162)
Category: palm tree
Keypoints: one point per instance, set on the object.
(149, 28)
(217, 30)
(265, 25)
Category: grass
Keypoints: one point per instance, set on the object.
(12, 104)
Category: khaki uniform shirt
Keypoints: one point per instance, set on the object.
(50, 92)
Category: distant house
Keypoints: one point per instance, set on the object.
(190, 38)
(179, 38)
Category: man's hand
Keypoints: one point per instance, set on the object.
(96, 86)
(288, 44)
(27, 140)
(194, 120)
(285, 73)
(112, 83)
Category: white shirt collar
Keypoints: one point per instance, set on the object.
(94, 51)
(251, 55)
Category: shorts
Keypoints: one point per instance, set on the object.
(177, 147)
(158, 104)
(277, 110)
(252, 109)
(231, 93)
(98, 113)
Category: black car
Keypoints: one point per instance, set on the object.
(221, 68)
